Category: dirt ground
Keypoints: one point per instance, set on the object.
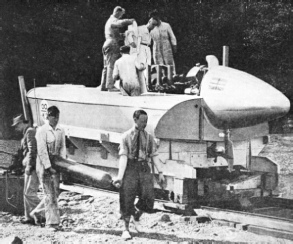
(87, 219)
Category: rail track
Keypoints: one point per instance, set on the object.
(265, 216)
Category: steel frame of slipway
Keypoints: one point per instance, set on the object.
(253, 222)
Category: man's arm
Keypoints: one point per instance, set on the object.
(32, 150)
(155, 157)
(123, 152)
(42, 148)
(172, 38)
(63, 145)
(156, 162)
(139, 63)
(122, 167)
(121, 23)
(116, 72)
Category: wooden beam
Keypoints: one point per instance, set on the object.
(270, 232)
(247, 218)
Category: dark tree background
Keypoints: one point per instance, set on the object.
(60, 41)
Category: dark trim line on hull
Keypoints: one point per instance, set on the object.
(109, 105)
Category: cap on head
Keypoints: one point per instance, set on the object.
(53, 111)
(118, 9)
(125, 49)
(18, 119)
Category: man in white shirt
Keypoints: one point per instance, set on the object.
(126, 70)
(139, 40)
(50, 143)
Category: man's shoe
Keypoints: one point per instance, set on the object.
(53, 227)
(35, 218)
(27, 221)
(126, 235)
(137, 215)
(137, 226)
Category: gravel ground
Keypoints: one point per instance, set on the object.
(87, 219)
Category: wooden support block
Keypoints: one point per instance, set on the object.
(232, 224)
(240, 226)
(195, 219)
(185, 190)
(221, 222)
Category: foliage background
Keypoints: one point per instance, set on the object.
(60, 41)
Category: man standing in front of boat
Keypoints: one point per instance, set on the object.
(50, 143)
(112, 45)
(29, 152)
(137, 152)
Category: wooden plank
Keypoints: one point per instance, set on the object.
(270, 232)
(85, 190)
(247, 218)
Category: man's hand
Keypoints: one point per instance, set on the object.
(28, 170)
(132, 44)
(51, 171)
(117, 182)
(161, 177)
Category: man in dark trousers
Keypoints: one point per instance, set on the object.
(111, 53)
(137, 153)
(29, 152)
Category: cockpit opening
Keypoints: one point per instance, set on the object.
(161, 78)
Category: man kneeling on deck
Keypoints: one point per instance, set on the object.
(125, 70)
(137, 152)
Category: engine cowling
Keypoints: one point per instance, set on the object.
(236, 99)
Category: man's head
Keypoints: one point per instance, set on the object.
(118, 12)
(53, 115)
(19, 123)
(150, 25)
(140, 119)
(125, 49)
(155, 18)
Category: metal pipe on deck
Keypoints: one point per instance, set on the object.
(225, 56)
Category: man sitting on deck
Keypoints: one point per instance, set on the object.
(125, 70)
